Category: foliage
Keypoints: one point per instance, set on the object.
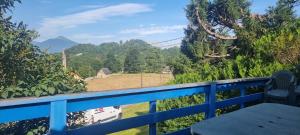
(86, 64)
(112, 55)
(154, 61)
(230, 42)
(170, 55)
(183, 122)
(134, 62)
(182, 64)
(26, 71)
(113, 63)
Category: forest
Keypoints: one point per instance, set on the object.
(223, 40)
(132, 56)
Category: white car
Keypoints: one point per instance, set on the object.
(102, 115)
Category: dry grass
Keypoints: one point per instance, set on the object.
(125, 81)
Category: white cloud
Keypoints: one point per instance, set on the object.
(153, 29)
(51, 26)
(91, 38)
(83, 8)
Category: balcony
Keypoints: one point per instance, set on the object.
(57, 107)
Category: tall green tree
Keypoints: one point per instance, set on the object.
(87, 65)
(154, 61)
(134, 62)
(112, 63)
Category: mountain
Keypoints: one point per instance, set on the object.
(55, 45)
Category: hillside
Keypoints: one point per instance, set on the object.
(87, 59)
(55, 45)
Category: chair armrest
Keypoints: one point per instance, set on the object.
(293, 80)
(269, 82)
(293, 85)
(268, 86)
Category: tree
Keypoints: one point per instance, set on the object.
(238, 32)
(134, 62)
(26, 71)
(154, 61)
(112, 63)
(86, 65)
(224, 40)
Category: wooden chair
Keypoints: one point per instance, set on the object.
(281, 87)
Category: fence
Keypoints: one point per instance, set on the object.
(56, 107)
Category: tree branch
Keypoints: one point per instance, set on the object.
(208, 29)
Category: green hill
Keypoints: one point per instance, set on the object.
(87, 59)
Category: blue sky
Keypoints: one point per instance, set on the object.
(97, 21)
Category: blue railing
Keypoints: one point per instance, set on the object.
(57, 107)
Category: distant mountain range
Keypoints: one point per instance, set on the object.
(55, 45)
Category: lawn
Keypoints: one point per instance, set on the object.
(132, 111)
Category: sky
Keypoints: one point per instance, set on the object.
(98, 21)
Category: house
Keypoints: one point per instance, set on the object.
(103, 73)
(166, 70)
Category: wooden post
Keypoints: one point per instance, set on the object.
(152, 127)
(141, 79)
(160, 80)
(58, 117)
(212, 100)
(207, 91)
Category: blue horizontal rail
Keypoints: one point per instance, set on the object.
(123, 124)
(56, 107)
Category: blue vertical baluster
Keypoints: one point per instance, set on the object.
(243, 92)
(212, 100)
(207, 92)
(152, 127)
(58, 117)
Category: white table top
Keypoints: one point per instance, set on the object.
(262, 119)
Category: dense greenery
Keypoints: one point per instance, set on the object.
(134, 62)
(26, 71)
(111, 62)
(225, 40)
(87, 59)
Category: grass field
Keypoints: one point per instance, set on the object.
(124, 81)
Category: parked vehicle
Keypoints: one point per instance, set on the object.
(102, 115)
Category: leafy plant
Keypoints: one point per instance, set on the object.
(25, 71)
